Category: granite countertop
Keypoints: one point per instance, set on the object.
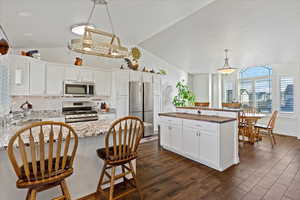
(212, 109)
(207, 118)
(83, 129)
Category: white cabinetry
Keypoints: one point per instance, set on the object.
(147, 77)
(191, 142)
(209, 143)
(37, 74)
(55, 75)
(19, 75)
(135, 76)
(103, 83)
(74, 74)
(156, 110)
(156, 85)
(122, 106)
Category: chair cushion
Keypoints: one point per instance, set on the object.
(102, 154)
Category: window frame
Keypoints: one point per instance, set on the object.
(279, 97)
(253, 83)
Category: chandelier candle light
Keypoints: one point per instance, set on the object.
(109, 46)
(226, 69)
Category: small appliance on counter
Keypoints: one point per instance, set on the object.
(79, 111)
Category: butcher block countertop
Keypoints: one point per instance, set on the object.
(208, 108)
(207, 118)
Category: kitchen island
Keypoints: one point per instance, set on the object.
(208, 139)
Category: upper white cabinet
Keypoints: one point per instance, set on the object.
(86, 75)
(74, 73)
(147, 77)
(37, 77)
(55, 75)
(103, 83)
(122, 83)
(19, 75)
(156, 85)
(135, 76)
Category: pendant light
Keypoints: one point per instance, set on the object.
(226, 69)
(108, 46)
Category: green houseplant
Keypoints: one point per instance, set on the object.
(185, 96)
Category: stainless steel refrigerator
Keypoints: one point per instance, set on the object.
(141, 104)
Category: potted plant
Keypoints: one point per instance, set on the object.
(185, 96)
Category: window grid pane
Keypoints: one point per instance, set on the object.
(286, 94)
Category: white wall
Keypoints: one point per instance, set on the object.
(200, 86)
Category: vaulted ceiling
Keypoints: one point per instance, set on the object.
(257, 32)
(189, 34)
(49, 22)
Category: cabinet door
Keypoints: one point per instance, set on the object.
(165, 139)
(54, 79)
(209, 147)
(147, 77)
(72, 74)
(37, 77)
(176, 138)
(19, 75)
(122, 106)
(103, 83)
(135, 76)
(122, 80)
(156, 85)
(86, 76)
(156, 111)
(191, 142)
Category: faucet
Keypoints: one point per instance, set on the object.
(199, 112)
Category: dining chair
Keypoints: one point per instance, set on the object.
(42, 156)
(231, 105)
(121, 145)
(202, 104)
(268, 128)
(242, 126)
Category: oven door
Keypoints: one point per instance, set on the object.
(75, 89)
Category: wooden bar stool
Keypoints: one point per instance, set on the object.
(40, 166)
(125, 135)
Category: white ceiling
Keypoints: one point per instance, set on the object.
(49, 24)
(256, 31)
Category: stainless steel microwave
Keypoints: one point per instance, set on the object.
(79, 89)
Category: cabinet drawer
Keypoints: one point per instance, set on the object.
(171, 121)
(201, 125)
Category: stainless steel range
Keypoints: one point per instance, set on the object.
(79, 111)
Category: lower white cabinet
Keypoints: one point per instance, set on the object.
(209, 143)
(190, 142)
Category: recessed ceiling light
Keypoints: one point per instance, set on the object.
(28, 34)
(78, 29)
(24, 14)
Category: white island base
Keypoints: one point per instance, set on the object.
(210, 143)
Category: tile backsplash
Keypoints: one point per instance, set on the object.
(41, 103)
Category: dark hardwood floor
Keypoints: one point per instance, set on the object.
(263, 173)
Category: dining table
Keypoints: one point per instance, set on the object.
(251, 119)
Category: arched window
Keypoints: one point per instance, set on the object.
(256, 88)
